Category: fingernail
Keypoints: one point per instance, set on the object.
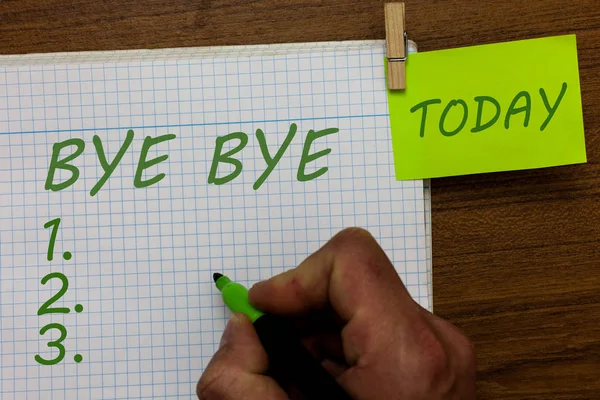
(258, 289)
(266, 282)
(257, 284)
(229, 329)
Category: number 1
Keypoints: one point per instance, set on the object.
(54, 224)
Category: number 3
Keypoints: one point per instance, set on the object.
(55, 343)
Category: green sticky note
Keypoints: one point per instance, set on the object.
(498, 107)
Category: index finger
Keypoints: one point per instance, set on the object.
(350, 272)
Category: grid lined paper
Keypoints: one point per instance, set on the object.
(142, 258)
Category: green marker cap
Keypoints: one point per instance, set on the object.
(235, 297)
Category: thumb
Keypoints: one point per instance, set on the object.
(236, 370)
(240, 347)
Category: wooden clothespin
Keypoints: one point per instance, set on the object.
(396, 45)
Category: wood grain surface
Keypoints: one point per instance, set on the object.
(516, 255)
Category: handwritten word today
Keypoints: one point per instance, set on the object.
(520, 104)
(219, 157)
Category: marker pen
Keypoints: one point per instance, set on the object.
(287, 355)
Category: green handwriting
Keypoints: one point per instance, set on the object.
(226, 149)
(264, 149)
(143, 164)
(106, 166)
(307, 158)
(226, 158)
(54, 223)
(54, 343)
(271, 161)
(45, 308)
(521, 104)
(64, 163)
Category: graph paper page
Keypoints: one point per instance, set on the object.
(144, 317)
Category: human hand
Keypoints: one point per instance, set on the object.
(356, 315)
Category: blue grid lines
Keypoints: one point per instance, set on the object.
(143, 257)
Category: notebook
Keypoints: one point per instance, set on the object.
(130, 257)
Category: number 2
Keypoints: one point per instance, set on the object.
(45, 308)
(55, 343)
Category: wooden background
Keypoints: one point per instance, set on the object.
(516, 255)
